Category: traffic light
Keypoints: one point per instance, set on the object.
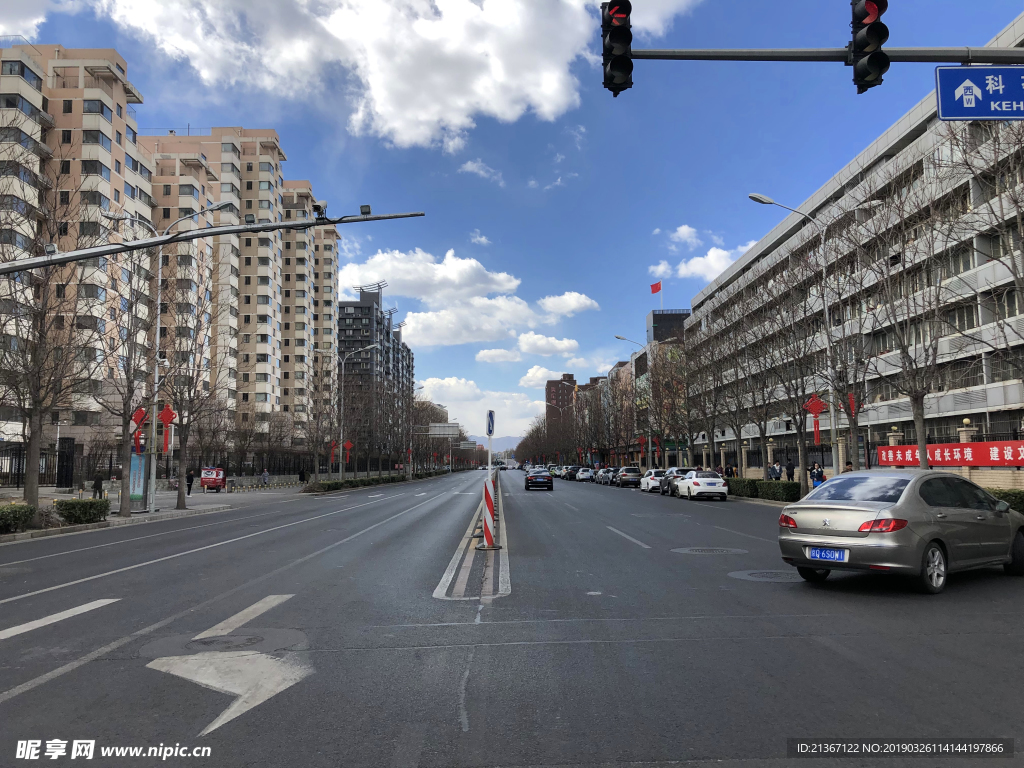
(617, 40)
(869, 33)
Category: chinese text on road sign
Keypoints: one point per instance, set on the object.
(980, 93)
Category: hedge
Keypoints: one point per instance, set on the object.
(15, 517)
(1013, 497)
(79, 511)
(778, 490)
(325, 486)
(739, 486)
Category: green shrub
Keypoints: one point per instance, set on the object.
(778, 490)
(79, 511)
(1011, 496)
(742, 487)
(15, 517)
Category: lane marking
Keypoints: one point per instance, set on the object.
(441, 590)
(374, 495)
(71, 666)
(54, 618)
(137, 538)
(180, 554)
(421, 494)
(570, 506)
(467, 565)
(229, 625)
(738, 533)
(626, 536)
(504, 578)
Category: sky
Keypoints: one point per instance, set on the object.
(550, 206)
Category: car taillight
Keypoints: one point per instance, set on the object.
(785, 521)
(695, 482)
(882, 526)
(725, 483)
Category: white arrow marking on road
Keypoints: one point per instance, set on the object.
(251, 677)
(22, 628)
(228, 626)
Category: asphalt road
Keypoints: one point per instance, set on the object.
(360, 630)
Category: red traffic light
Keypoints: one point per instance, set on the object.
(616, 13)
(869, 11)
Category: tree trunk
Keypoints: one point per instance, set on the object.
(182, 465)
(35, 439)
(125, 506)
(917, 407)
(801, 453)
(763, 446)
(854, 433)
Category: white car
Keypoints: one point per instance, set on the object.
(651, 481)
(584, 475)
(701, 484)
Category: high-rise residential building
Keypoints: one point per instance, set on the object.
(559, 398)
(378, 382)
(70, 154)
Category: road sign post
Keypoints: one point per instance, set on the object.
(980, 93)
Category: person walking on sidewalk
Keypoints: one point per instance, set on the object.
(775, 471)
(97, 486)
(266, 477)
(790, 470)
(191, 478)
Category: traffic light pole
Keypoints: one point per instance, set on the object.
(925, 55)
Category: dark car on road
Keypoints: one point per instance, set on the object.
(570, 473)
(628, 476)
(539, 478)
(668, 482)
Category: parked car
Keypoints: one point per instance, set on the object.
(585, 475)
(600, 476)
(702, 484)
(668, 481)
(651, 481)
(539, 478)
(570, 472)
(612, 472)
(922, 523)
(628, 476)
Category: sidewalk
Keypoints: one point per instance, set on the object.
(165, 501)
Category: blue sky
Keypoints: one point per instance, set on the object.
(554, 199)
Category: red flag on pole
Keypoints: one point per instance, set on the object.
(656, 288)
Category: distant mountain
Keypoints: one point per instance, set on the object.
(497, 443)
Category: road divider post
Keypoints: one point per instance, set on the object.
(488, 513)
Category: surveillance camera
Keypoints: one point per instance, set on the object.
(319, 210)
(250, 218)
(50, 249)
(364, 210)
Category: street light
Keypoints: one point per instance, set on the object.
(341, 411)
(765, 200)
(151, 504)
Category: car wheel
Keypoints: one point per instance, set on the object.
(1016, 565)
(933, 569)
(672, 491)
(815, 575)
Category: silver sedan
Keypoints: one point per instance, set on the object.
(916, 522)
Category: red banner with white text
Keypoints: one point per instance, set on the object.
(1006, 453)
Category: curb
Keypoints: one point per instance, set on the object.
(767, 502)
(14, 538)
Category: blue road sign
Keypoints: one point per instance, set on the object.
(980, 93)
(490, 423)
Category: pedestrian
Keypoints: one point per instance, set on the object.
(302, 475)
(790, 470)
(97, 486)
(817, 475)
(775, 471)
(189, 479)
(729, 470)
(719, 470)
(848, 467)
(266, 477)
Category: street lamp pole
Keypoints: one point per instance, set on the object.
(341, 410)
(151, 503)
(832, 426)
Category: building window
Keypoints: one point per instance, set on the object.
(120, 113)
(67, 106)
(96, 107)
(65, 137)
(167, 213)
(117, 137)
(117, 166)
(65, 197)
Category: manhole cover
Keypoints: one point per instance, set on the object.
(779, 576)
(709, 551)
(224, 643)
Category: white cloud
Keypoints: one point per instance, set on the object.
(418, 274)
(477, 238)
(420, 71)
(568, 304)
(662, 269)
(466, 402)
(349, 247)
(576, 362)
(686, 235)
(556, 183)
(537, 377)
(478, 319)
(498, 356)
(482, 170)
(559, 157)
(657, 231)
(578, 134)
(715, 238)
(532, 184)
(712, 264)
(536, 344)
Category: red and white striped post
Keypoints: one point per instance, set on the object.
(489, 502)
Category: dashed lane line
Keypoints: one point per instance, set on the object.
(627, 536)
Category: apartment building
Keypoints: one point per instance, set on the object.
(909, 162)
(71, 158)
(559, 396)
(378, 382)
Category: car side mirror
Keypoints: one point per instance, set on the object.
(1002, 507)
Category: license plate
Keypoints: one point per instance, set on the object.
(827, 553)
(712, 484)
